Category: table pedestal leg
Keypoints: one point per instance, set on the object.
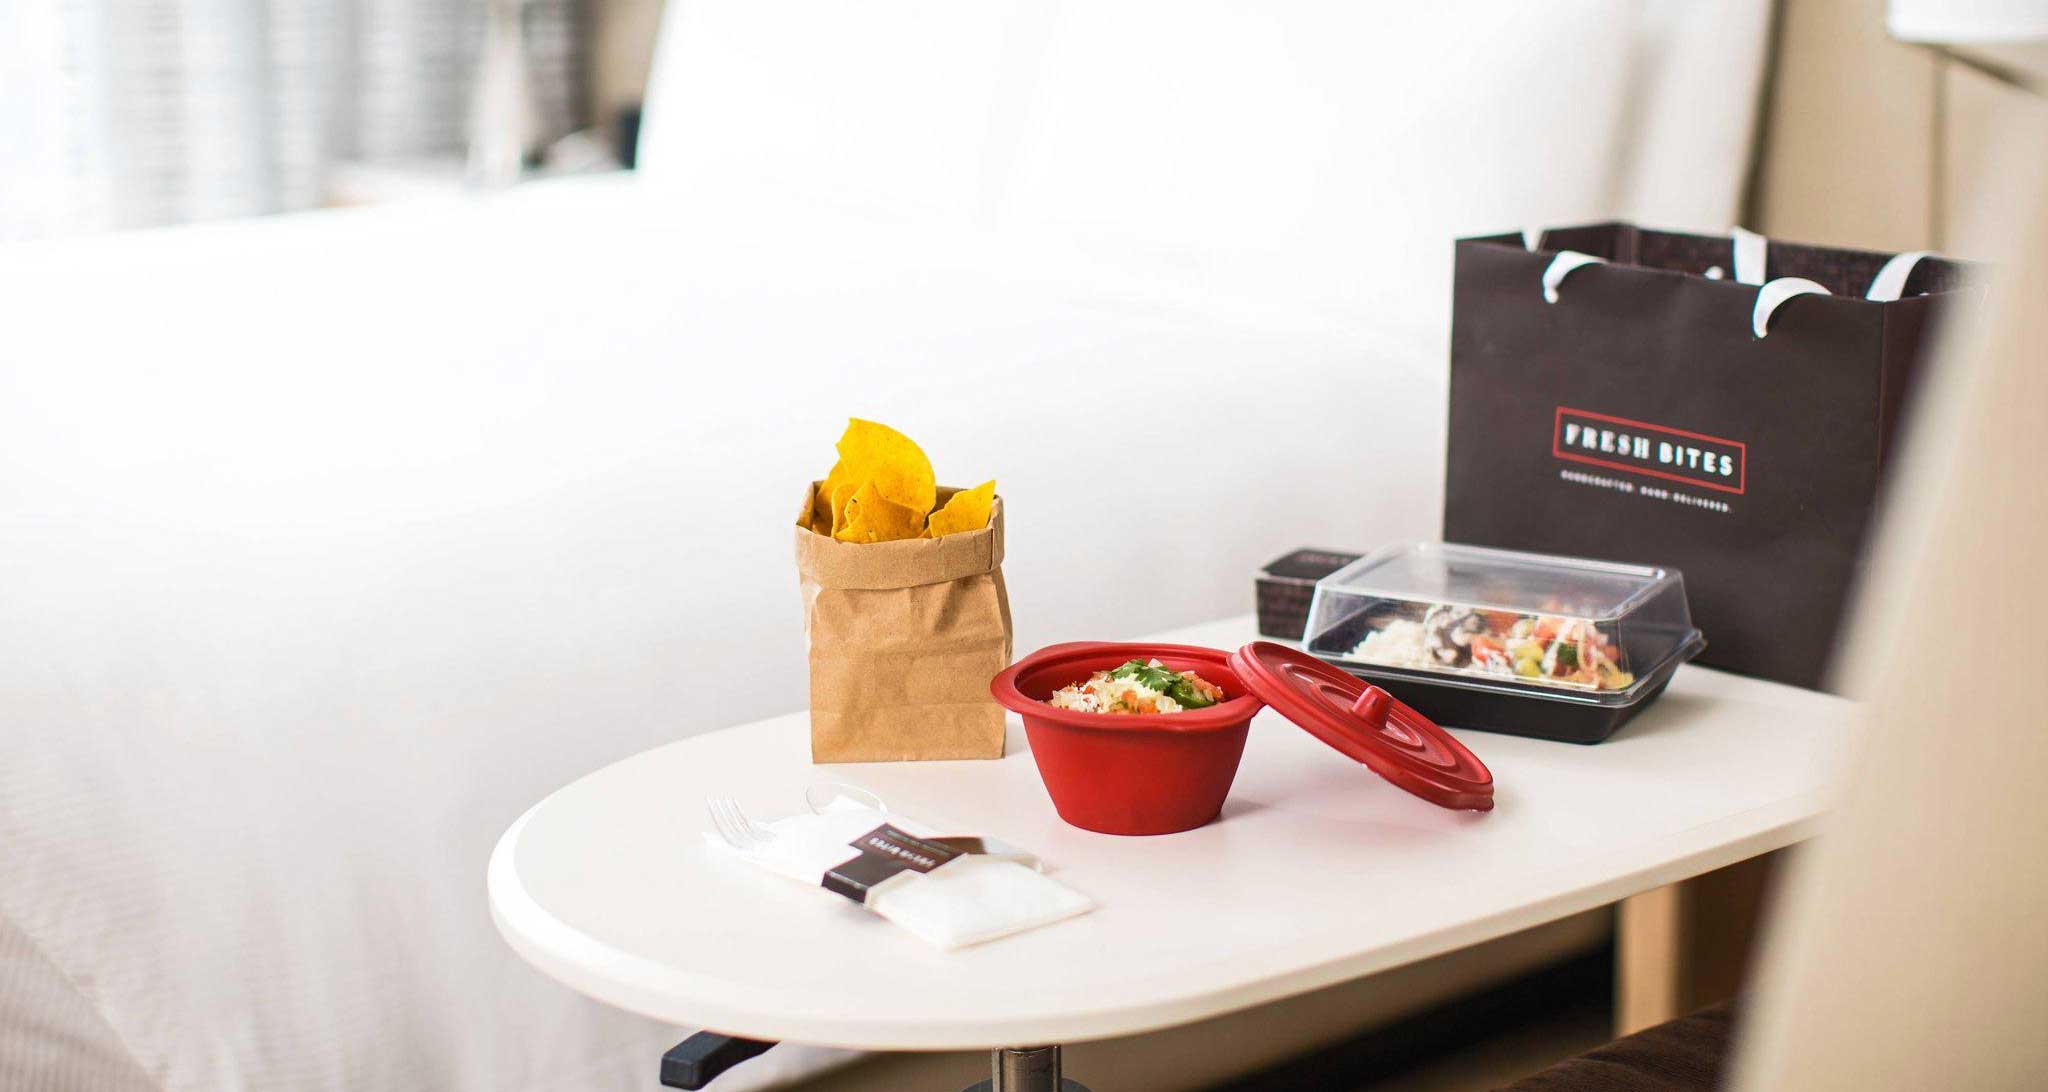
(1026, 1069)
(1680, 947)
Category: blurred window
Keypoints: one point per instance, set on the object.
(129, 113)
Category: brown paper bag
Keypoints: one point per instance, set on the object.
(904, 638)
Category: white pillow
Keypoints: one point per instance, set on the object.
(1303, 150)
(1333, 151)
(882, 106)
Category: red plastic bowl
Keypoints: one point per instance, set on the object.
(1145, 774)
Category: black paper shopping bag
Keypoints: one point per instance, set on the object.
(1716, 405)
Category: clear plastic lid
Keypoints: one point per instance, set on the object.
(1501, 619)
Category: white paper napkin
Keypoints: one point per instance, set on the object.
(968, 900)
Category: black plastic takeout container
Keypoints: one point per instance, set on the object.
(1640, 611)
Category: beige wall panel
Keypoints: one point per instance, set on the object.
(1847, 148)
(622, 54)
(1988, 124)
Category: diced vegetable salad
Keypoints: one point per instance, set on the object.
(1541, 648)
(1138, 686)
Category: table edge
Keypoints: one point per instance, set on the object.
(672, 994)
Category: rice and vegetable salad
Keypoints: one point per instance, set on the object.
(1539, 648)
(1138, 687)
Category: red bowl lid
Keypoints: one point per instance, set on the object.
(1366, 724)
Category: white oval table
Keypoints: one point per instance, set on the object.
(1317, 872)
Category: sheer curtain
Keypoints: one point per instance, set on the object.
(128, 113)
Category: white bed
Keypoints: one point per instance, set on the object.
(331, 542)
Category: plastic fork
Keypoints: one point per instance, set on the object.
(732, 824)
(821, 796)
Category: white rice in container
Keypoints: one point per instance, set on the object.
(1399, 644)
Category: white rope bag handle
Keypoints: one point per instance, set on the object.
(1890, 281)
(1751, 253)
(1566, 261)
(1751, 250)
(1773, 296)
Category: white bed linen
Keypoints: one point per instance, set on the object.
(319, 572)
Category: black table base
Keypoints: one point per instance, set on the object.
(695, 1062)
(1026, 1069)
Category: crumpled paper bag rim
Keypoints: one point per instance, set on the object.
(906, 563)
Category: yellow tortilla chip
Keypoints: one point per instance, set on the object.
(842, 494)
(819, 518)
(830, 500)
(872, 517)
(839, 475)
(967, 510)
(870, 452)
